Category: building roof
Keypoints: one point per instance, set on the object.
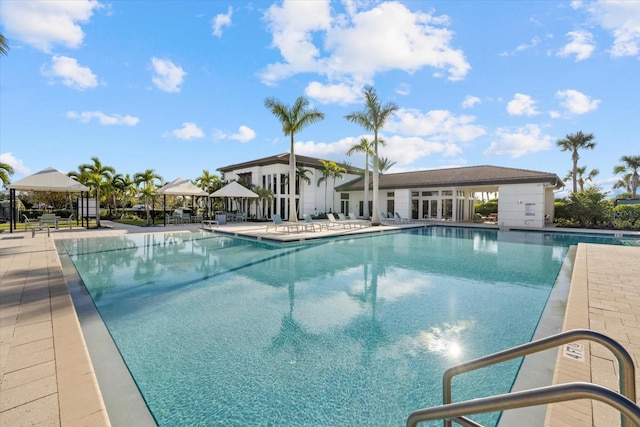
(471, 176)
(283, 158)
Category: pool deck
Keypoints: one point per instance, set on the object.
(48, 378)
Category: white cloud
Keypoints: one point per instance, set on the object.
(333, 93)
(221, 21)
(576, 102)
(525, 140)
(16, 164)
(439, 125)
(44, 23)
(103, 119)
(188, 130)
(244, 134)
(522, 105)
(403, 89)
(71, 73)
(622, 18)
(581, 45)
(359, 44)
(470, 101)
(167, 76)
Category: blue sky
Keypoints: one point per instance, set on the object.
(179, 86)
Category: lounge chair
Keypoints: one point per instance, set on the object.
(310, 223)
(359, 222)
(335, 223)
(69, 221)
(386, 219)
(402, 220)
(171, 219)
(278, 223)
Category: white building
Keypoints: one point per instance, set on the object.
(272, 173)
(525, 197)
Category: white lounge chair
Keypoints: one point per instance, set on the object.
(358, 222)
(335, 223)
(278, 223)
(310, 223)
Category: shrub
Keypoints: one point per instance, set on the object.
(589, 208)
(626, 217)
(487, 208)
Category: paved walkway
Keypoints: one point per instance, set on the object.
(48, 379)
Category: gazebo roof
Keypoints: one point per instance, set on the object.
(48, 179)
(181, 187)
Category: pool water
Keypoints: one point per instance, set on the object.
(217, 330)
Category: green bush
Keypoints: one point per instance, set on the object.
(626, 217)
(487, 208)
(587, 208)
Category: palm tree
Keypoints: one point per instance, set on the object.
(5, 172)
(4, 45)
(580, 176)
(364, 147)
(384, 164)
(145, 180)
(94, 176)
(372, 119)
(209, 183)
(631, 164)
(331, 170)
(293, 120)
(624, 183)
(326, 174)
(264, 194)
(574, 142)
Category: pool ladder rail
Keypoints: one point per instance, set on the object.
(624, 402)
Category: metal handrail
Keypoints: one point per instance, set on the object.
(625, 362)
(533, 397)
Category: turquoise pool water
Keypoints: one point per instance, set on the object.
(218, 330)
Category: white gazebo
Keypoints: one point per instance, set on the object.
(233, 190)
(179, 187)
(48, 179)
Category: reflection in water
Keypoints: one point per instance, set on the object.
(339, 332)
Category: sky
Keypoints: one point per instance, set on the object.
(179, 86)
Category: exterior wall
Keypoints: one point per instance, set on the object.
(521, 205)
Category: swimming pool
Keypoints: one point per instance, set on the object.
(217, 330)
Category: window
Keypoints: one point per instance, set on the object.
(244, 178)
(390, 194)
(429, 194)
(415, 194)
(447, 192)
(344, 196)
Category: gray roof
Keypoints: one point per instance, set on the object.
(472, 176)
(283, 158)
(48, 179)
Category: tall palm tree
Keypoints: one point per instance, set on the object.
(372, 119)
(331, 170)
(264, 195)
(631, 164)
(581, 178)
(574, 142)
(326, 174)
(293, 120)
(95, 176)
(384, 164)
(146, 183)
(5, 172)
(4, 45)
(624, 183)
(209, 182)
(365, 147)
